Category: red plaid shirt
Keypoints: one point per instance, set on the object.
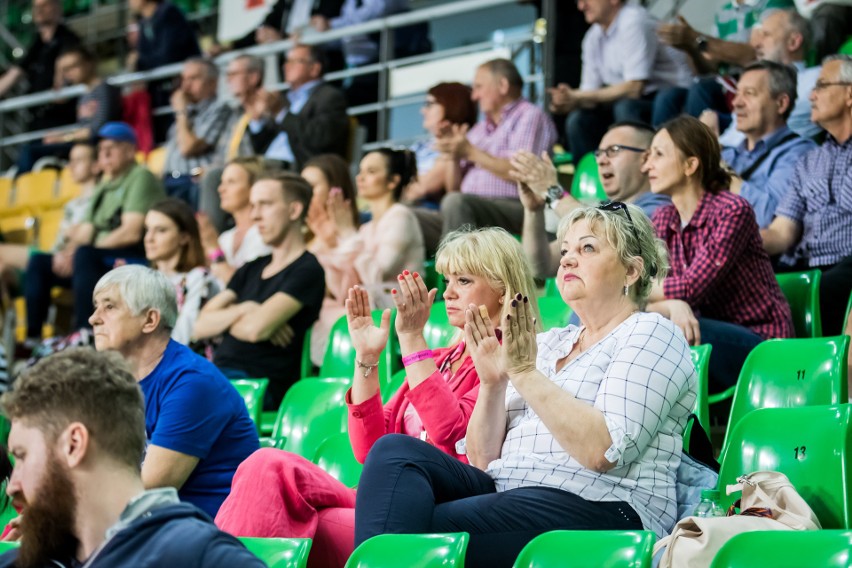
(719, 267)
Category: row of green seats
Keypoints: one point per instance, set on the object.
(275, 552)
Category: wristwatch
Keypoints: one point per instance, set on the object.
(701, 43)
(553, 195)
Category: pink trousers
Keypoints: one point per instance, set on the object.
(279, 494)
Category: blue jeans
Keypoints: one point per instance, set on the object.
(409, 486)
(731, 345)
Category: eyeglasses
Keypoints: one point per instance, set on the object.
(428, 103)
(820, 85)
(612, 151)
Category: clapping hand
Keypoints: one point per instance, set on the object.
(413, 303)
(453, 141)
(519, 346)
(483, 346)
(368, 340)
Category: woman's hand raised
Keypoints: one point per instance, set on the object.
(519, 346)
(483, 346)
(368, 340)
(413, 303)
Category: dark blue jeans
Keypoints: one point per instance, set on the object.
(409, 486)
(731, 345)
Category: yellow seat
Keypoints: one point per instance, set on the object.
(18, 229)
(49, 221)
(36, 190)
(5, 193)
(156, 161)
(68, 188)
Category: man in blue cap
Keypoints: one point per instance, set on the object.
(110, 233)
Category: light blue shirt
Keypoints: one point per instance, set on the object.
(800, 119)
(361, 49)
(768, 184)
(279, 148)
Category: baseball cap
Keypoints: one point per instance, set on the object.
(118, 131)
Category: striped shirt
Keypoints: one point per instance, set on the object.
(719, 266)
(208, 120)
(820, 200)
(523, 126)
(641, 378)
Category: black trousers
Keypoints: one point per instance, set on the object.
(411, 487)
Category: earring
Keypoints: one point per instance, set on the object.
(626, 289)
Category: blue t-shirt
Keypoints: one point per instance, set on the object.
(191, 408)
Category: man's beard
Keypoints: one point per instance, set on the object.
(47, 525)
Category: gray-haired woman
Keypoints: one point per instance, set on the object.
(578, 428)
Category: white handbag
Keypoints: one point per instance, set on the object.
(769, 502)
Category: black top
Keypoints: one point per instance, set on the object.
(39, 64)
(304, 280)
(166, 37)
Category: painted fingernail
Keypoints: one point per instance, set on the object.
(415, 275)
(526, 300)
(514, 303)
(508, 316)
(393, 291)
(518, 297)
(406, 272)
(399, 277)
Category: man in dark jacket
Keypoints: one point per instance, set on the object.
(309, 119)
(78, 437)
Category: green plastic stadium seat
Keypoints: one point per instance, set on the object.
(7, 546)
(786, 549)
(339, 358)
(411, 551)
(335, 456)
(792, 372)
(810, 445)
(701, 360)
(802, 292)
(280, 552)
(550, 288)
(434, 280)
(438, 331)
(554, 312)
(846, 48)
(395, 382)
(586, 186)
(252, 391)
(312, 410)
(588, 549)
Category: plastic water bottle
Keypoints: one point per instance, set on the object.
(709, 505)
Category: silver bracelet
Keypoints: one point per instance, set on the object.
(367, 368)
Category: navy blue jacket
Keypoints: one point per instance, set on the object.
(173, 535)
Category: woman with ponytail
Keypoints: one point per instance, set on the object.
(391, 240)
(721, 289)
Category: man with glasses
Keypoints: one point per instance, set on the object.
(309, 119)
(619, 157)
(813, 222)
(764, 162)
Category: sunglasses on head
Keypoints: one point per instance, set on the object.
(613, 206)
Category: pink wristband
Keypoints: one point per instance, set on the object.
(415, 357)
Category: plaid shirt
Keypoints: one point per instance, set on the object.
(208, 120)
(820, 200)
(719, 267)
(523, 126)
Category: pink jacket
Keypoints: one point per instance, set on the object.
(444, 408)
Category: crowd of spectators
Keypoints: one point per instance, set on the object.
(725, 160)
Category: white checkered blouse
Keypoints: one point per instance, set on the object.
(642, 378)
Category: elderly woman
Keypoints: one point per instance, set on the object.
(721, 289)
(579, 428)
(434, 403)
(197, 425)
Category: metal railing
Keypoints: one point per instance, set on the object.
(385, 64)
